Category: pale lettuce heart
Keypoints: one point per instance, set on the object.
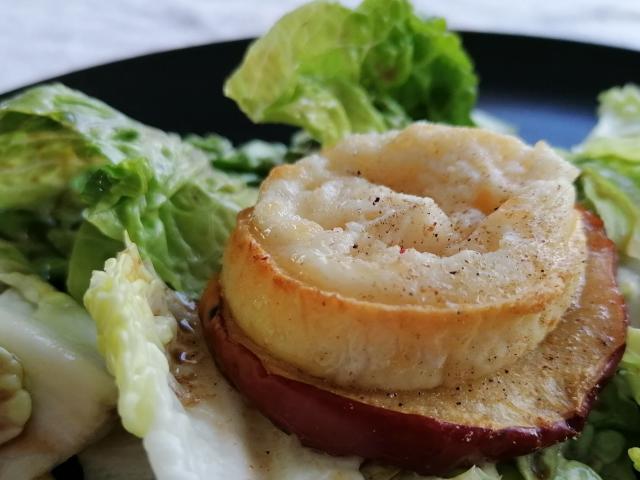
(73, 396)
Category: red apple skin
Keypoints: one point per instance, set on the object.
(342, 426)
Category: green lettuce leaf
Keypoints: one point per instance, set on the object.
(612, 429)
(15, 400)
(613, 426)
(67, 156)
(12, 260)
(90, 250)
(610, 185)
(44, 236)
(118, 456)
(617, 133)
(488, 121)
(551, 464)
(42, 146)
(610, 163)
(629, 282)
(73, 396)
(630, 367)
(335, 71)
(255, 158)
(179, 213)
(190, 430)
(634, 454)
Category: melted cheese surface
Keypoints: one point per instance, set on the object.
(431, 216)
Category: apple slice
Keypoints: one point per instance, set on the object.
(542, 398)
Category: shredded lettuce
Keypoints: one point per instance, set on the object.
(335, 71)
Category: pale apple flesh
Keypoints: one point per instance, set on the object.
(540, 400)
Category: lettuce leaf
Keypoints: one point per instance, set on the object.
(629, 282)
(15, 400)
(118, 456)
(45, 236)
(551, 464)
(12, 260)
(179, 213)
(54, 339)
(610, 185)
(67, 155)
(90, 250)
(617, 133)
(335, 71)
(547, 464)
(630, 366)
(610, 163)
(254, 158)
(41, 151)
(372, 471)
(41, 144)
(190, 430)
(208, 432)
(613, 427)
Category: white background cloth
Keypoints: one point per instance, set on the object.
(42, 38)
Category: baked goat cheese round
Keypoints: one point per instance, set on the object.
(409, 259)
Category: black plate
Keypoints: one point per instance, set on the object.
(546, 88)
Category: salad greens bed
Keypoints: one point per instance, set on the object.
(82, 184)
